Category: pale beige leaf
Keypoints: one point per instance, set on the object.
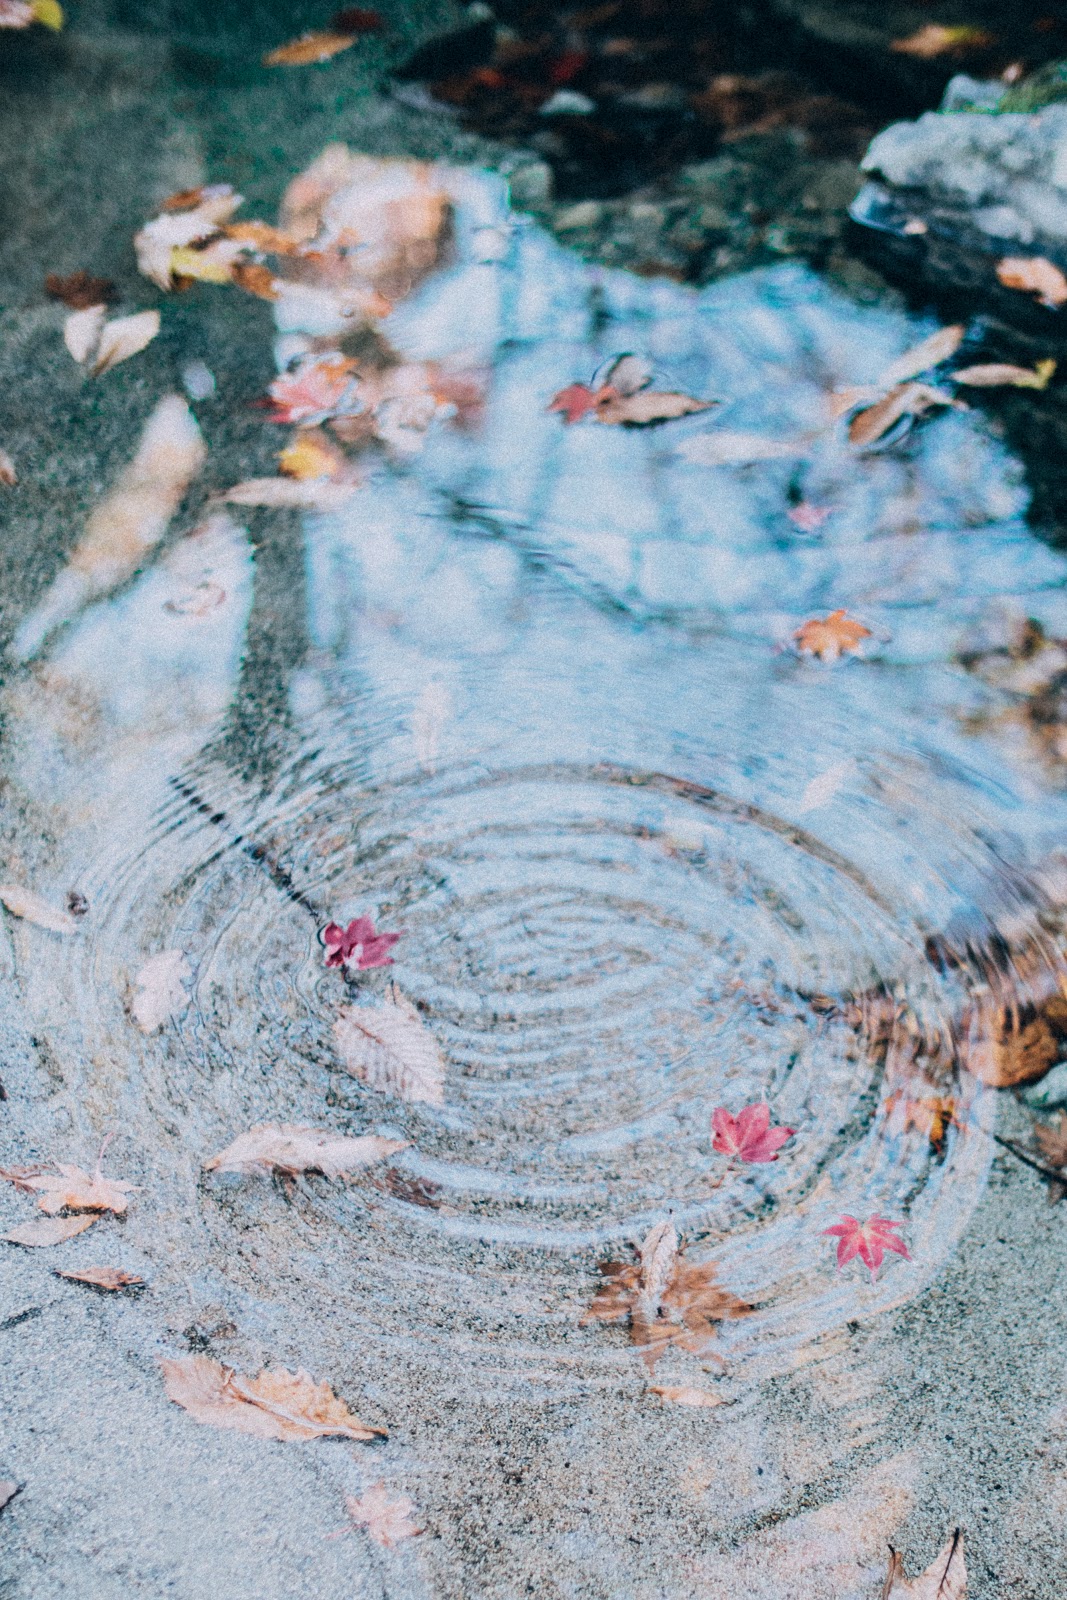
(842, 401)
(8, 476)
(81, 331)
(907, 399)
(308, 49)
(275, 1405)
(110, 1278)
(1036, 275)
(48, 1230)
(683, 1395)
(386, 1519)
(647, 406)
(822, 789)
(286, 1147)
(124, 338)
(174, 229)
(8, 1490)
(391, 1049)
(161, 992)
(944, 1579)
(315, 494)
(732, 449)
(71, 1189)
(127, 523)
(997, 374)
(940, 346)
(31, 907)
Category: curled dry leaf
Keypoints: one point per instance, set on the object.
(71, 1189)
(935, 39)
(161, 992)
(187, 219)
(391, 1049)
(944, 1579)
(308, 49)
(43, 1231)
(78, 290)
(726, 448)
(998, 374)
(280, 494)
(290, 1149)
(82, 330)
(123, 338)
(830, 637)
(684, 1395)
(386, 1518)
(1035, 275)
(30, 907)
(668, 1300)
(940, 346)
(111, 1279)
(905, 400)
(275, 1405)
(126, 524)
(8, 1487)
(8, 476)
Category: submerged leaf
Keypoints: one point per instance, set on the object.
(684, 1395)
(189, 218)
(71, 1189)
(944, 1579)
(869, 1240)
(43, 1231)
(308, 49)
(283, 494)
(110, 1278)
(291, 1149)
(391, 1049)
(161, 992)
(575, 402)
(749, 1135)
(275, 1405)
(935, 39)
(646, 406)
(386, 1519)
(8, 1486)
(8, 476)
(79, 290)
(30, 907)
(830, 637)
(1036, 275)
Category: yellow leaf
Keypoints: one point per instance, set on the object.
(185, 262)
(311, 456)
(48, 12)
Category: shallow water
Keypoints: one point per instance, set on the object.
(645, 858)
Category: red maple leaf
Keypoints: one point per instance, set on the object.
(574, 401)
(315, 389)
(749, 1134)
(357, 945)
(869, 1240)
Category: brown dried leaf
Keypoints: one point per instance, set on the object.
(288, 1148)
(8, 476)
(944, 1579)
(71, 1189)
(906, 399)
(78, 290)
(30, 907)
(391, 1049)
(275, 1405)
(123, 338)
(8, 1490)
(1004, 1049)
(1036, 275)
(684, 1395)
(255, 277)
(308, 49)
(830, 637)
(940, 346)
(996, 374)
(1052, 1142)
(110, 1278)
(48, 1230)
(646, 406)
(387, 1520)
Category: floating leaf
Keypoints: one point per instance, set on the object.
(15, 14)
(308, 49)
(944, 1579)
(123, 338)
(391, 1049)
(575, 402)
(189, 218)
(161, 992)
(646, 406)
(82, 330)
(31, 907)
(940, 346)
(1036, 275)
(312, 455)
(996, 374)
(386, 1519)
(905, 400)
(316, 388)
(275, 1405)
(110, 1278)
(49, 13)
(830, 637)
(43, 1231)
(290, 1149)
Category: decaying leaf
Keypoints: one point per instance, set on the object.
(668, 1300)
(123, 338)
(79, 290)
(161, 992)
(111, 1279)
(8, 1487)
(8, 476)
(391, 1049)
(308, 49)
(386, 1518)
(1006, 1047)
(126, 524)
(998, 374)
(274, 1405)
(186, 219)
(290, 1149)
(830, 637)
(684, 1395)
(43, 1231)
(20, 1176)
(904, 400)
(294, 494)
(31, 907)
(940, 346)
(944, 1579)
(935, 39)
(82, 330)
(1036, 275)
(71, 1189)
(726, 448)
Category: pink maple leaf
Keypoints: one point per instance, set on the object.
(749, 1134)
(807, 517)
(869, 1240)
(357, 945)
(574, 401)
(314, 390)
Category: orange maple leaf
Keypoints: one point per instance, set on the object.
(830, 637)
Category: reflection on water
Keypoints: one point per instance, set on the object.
(646, 861)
